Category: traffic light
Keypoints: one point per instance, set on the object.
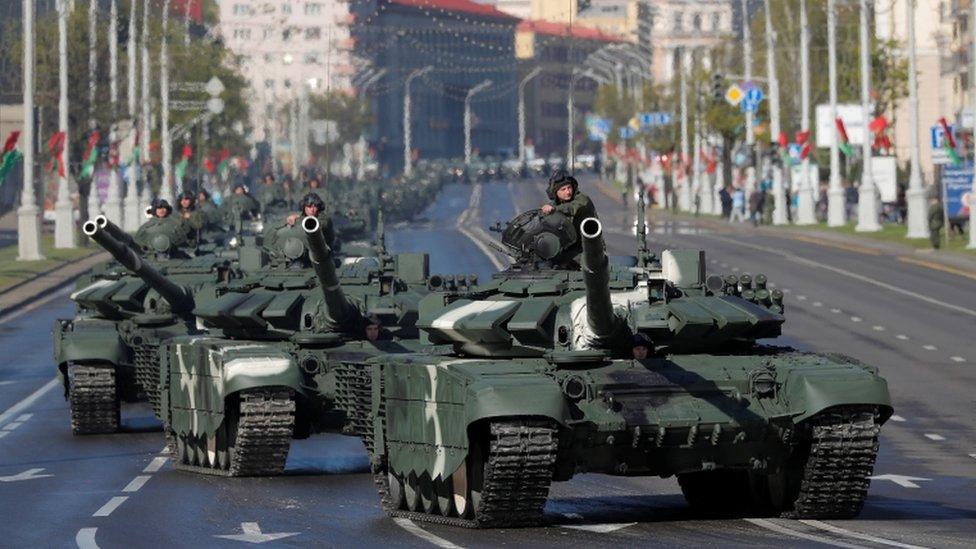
(718, 86)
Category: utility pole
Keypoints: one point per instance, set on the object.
(64, 223)
(92, 61)
(521, 111)
(145, 127)
(972, 82)
(113, 202)
(867, 199)
(407, 130)
(779, 193)
(805, 214)
(131, 215)
(750, 130)
(915, 195)
(186, 22)
(166, 189)
(467, 119)
(684, 199)
(28, 221)
(836, 213)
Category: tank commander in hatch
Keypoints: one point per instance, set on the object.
(373, 328)
(641, 346)
(567, 199)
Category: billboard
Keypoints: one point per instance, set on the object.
(957, 186)
(853, 117)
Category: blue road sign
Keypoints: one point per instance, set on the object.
(653, 119)
(626, 132)
(748, 105)
(755, 95)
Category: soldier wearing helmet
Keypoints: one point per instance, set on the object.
(162, 222)
(567, 199)
(189, 213)
(312, 205)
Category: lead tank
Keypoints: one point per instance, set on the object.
(542, 383)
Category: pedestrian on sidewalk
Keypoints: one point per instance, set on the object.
(936, 222)
(726, 199)
(755, 206)
(738, 213)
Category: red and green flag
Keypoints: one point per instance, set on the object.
(91, 155)
(55, 146)
(224, 165)
(845, 142)
(184, 161)
(10, 155)
(949, 142)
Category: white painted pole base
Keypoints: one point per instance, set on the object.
(131, 217)
(867, 211)
(805, 207)
(94, 208)
(779, 198)
(28, 233)
(64, 219)
(918, 226)
(836, 208)
(113, 202)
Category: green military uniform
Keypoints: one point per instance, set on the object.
(244, 203)
(936, 222)
(270, 196)
(282, 241)
(211, 215)
(171, 226)
(577, 209)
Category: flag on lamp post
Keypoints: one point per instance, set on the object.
(10, 155)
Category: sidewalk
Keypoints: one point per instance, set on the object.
(963, 264)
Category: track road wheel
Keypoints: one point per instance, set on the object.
(459, 491)
(93, 399)
(444, 493)
(398, 499)
(411, 490)
(428, 501)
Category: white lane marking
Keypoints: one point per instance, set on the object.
(898, 418)
(725, 265)
(4, 433)
(957, 359)
(735, 269)
(878, 328)
(85, 539)
(787, 290)
(136, 483)
(2, 383)
(600, 528)
(29, 474)
(902, 337)
(770, 525)
(972, 456)
(819, 265)
(856, 319)
(12, 426)
(904, 481)
(934, 436)
(68, 286)
(801, 298)
(817, 304)
(253, 534)
(16, 409)
(110, 506)
(835, 311)
(858, 535)
(24, 417)
(929, 347)
(411, 526)
(156, 464)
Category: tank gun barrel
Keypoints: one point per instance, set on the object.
(596, 276)
(115, 231)
(180, 300)
(338, 306)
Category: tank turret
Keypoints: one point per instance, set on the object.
(596, 275)
(339, 307)
(180, 300)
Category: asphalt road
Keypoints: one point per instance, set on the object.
(914, 322)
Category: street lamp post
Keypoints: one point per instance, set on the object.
(750, 130)
(407, 131)
(684, 198)
(28, 224)
(836, 214)
(113, 202)
(972, 82)
(805, 214)
(467, 119)
(64, 223)
(915, 195)
(166, 188)
(521, 111)
(130, 209)
(779, 192)
(145, 129)
(867, 198)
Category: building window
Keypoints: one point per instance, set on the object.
(242, 9)
(286, 34)
(268, 32)
(678, 24)
(269, 83)
(311, 58)
(242, 34)
(286, 8)
(716, 21)
(287, 82)
(268, 58)
(313, 33)
(696, 22)
(313, 8)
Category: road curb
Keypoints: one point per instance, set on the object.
(72, 270)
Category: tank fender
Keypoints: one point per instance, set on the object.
(203, 372)
(834, 381)
(430, 411)
(98, 342)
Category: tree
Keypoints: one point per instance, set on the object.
(350, 115)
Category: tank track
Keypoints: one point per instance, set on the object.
(354, 395)
(842, 453)
(518, 473)
(93, 399)
(262, 440)
(147, 372)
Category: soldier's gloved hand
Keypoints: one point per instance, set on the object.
(291, 219)
(547, 209)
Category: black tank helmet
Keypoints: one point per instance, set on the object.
(189, 195)
(159, 203)
(559, 178)
(312, 199)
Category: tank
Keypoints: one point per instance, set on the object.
(104, 353)
(546, 378)
(284, 353)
